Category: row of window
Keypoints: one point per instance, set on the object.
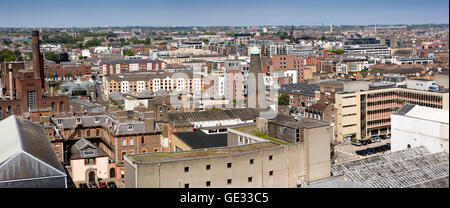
(131, 141)
(229, 181)
(208, 166)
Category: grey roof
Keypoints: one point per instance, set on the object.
(118, 127)
(292, 122)
(26, 152)
(411, 167)
(84, 144)
(243, 114)
(405, 109)
(198, 139)
(300, 89)
(337, 183)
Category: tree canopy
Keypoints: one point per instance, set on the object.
(283, 99)
(52, 56)
(128, 52)
(93, 42)
(7, 56)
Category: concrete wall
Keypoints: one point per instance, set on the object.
(418, 132)
(291, 164)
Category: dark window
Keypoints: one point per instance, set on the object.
(271, 172)
(186, 185)
(186, 169)
(251, 161)
(229, 181)
(208, 167)
(208, 183)
(270, 157)
(142, 140)
(88, 133)
(228, 165)
(250, 179)
(90, 161)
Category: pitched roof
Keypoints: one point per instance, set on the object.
(243, 114)
(26, 152)
(399, 169)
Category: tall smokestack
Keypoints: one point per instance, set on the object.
(36, 55)
(41, 70)
(11, 85)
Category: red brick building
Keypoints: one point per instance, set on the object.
(65, 71)
(24, 90)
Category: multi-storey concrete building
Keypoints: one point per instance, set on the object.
(254, 165)
(362, 114)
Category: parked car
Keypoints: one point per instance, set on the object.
(83, 185)
(364, 152)
(373, 139)
(94, 185)
(383, 137)
(370, 151)
(356, 143)
(388, 135)
(388, 145)
(102, 185)
(363, 142)
(111, 184)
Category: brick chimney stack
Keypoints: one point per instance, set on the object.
(38, 59)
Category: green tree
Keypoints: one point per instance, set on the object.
(147, 41)
(93, 42)
(134, 40)
(18, 55)
(7, 56)
(283, 99)
(336, 51)
(68, 45)
(128, 52)
(29, 56)
(80, 45)
(205, 41)
(52, 56)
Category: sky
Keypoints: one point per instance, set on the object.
(92, 13)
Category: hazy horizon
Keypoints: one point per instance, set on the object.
(203, 13)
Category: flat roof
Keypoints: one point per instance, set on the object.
(198, 139)
(426, 113)
(203, 153)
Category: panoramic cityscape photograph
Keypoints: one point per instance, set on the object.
(300, 95)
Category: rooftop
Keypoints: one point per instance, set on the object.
(195, 154)
(198, 139)
(406, 168)
(252, 130)
(300, 89)
(26, 152)
(426, 113)
(292, 122)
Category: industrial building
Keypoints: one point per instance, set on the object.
(414, 126)
(27, 159)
